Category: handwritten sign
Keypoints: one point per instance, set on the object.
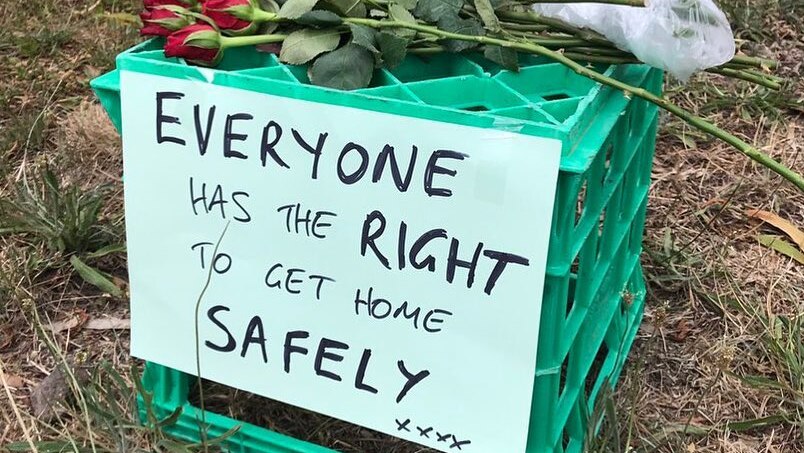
(381, 269)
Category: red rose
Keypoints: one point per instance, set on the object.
(234, 16)
(162, 22)
(149, 4)
(198, 43)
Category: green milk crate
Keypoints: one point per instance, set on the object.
(594, 289)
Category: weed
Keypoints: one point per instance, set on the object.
(671, 262)
(66, 219)
(46, 42)
(105, 414)
(749, 17)
(612, 430)
(781, 340)
(109, 417)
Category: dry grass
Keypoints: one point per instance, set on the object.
(708, 372)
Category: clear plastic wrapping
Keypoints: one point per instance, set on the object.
(680, 36)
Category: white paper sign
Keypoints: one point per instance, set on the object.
(381, 269)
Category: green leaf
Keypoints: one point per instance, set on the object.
(435, 10)
(267, 28)
(400, 14)
(759, 381)
(487, 15)
(223, 437)
(320, 18)
(347, 68)
(268, 5)
(94, 277)
(364, 37)
(393, 48)
(172, 446)
(757, 423)
(408, 4)
(460, 26)
(782, 246)
(303, 45)
(171, 419)
(503, 56)
(350, 8)
(293, 9)
(500, 4)
(103, 251)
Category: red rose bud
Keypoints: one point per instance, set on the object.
(162, 22)
(197, 43)
(233, 16)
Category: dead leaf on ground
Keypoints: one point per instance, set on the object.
(648, 329)
(69, 323)
(784, 225)
(108, 324)
(52, 393)
(14, 381)
(66, 324)
(682, 331)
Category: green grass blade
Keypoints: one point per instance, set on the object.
(782, 246)
(95, 277)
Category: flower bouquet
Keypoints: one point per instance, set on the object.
(343, 41)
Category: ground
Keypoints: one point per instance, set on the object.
(718, 365)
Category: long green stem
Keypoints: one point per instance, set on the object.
(605, 59)
(637, 3)
(528, 47)
(609, 56)
(603, 51)
(569, 60)
(252, 40)
(747, 76)
(523, 17)
(755, 62)
(203, 422)
(557, 42)
(555, 24)
(529, 21)
(524, 27)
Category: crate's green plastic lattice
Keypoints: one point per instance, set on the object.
(594, 290)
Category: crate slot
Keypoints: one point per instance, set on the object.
(561, 109)
(555, 96)
(474, 94)
(580, 204)
(258, 411)
(158, 55)
(416, 68)
(273, 73)
(234, 60)
(488, 66)
(146, 46)
(532, 113)
(546, 82)
(381, 77)
(241, 58)
(397, 92)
